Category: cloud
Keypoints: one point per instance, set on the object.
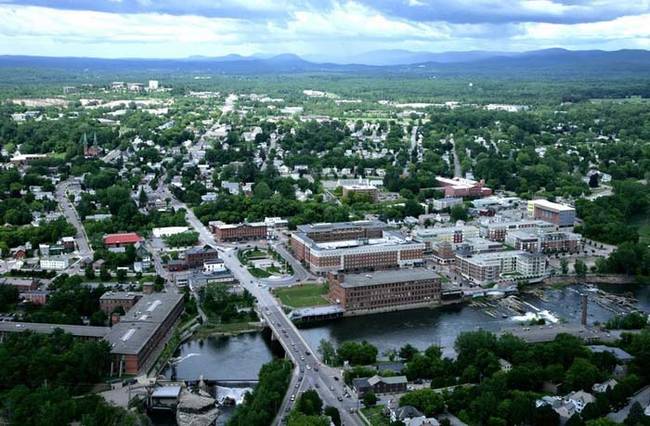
(343, 27)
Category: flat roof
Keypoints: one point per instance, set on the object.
(46, 328)
(330, 226)
(141, 321)
(553, 206)
(387, 277)
(121, 295)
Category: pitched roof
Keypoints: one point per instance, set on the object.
(126, 238)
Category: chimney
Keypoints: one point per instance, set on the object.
(585, 301)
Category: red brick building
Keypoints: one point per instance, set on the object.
(225, 232)
(385, 290)
(111, 300)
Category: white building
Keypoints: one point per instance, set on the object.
(54, 263)
(153, 85)
(169, 231)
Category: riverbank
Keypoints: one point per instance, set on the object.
(227, 329)
(592, 279)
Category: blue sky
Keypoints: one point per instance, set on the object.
(326, 29)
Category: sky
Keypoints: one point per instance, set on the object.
(315, 28)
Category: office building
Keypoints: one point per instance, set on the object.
(555, 213)
(225, 232)
(383, 291)
(353, 247)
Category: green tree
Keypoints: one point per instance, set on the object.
(580, 268)
(104, 273)
(582, 375)
(309, 403)
(564, 266)
(369, 399)
(89, 272)
(427, 401)
(327, 351)
(407, 352)
(121, 275)
(334, 414)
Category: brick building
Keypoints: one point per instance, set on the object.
(353, 247)
(197, 256)
(225, 232)
(111, 300)
(138, 338)
(494, 266)
(460, 187)
(385, 290)
(555, 213)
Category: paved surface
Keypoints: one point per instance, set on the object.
(547, 333)
(642, 397)
(310, 373)
(84, 250)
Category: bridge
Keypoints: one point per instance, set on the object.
(310, 372)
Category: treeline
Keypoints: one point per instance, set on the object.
(41, 374)
(260, 407)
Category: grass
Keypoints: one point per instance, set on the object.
(258, 273)
(376, 416)
(303, 295)
(225, 328)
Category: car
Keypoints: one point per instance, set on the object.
(336, 378)
(302, 358)
(315, 368)
(316, 385)
(340, 398)
(293, 397)
(297, 385)
(307, 353)
(308, 367)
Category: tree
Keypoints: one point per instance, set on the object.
(104, 273)
(309, 403)
(369, 399)
(334, 414)
(89, 272)
(458, 212)
(580, 268)
(327, 351)
(635, 416)
(564, 266)
(158, 283)
(582, 375)
(407, 352)
(98, 318)
(357, 353)
(426, 400)
(142, 198)
(121, 275)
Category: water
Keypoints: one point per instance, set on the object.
(222, 358)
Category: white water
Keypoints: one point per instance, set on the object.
(536, 316)
(236, 394)
(184, 357)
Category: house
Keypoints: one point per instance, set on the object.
(54, 263)
(620, 355)
(18, 253)
(379, 385)
(604, 386)
(98, 264)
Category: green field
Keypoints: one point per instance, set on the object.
(303, 295)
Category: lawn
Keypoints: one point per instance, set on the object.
(375, 415)
(303, 295)
(259, 273)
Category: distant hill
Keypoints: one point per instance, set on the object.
(549, 62)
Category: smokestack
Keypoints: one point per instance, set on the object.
(585, 301)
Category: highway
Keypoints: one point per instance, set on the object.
(310, 372)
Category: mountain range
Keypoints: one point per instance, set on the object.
(549, 61)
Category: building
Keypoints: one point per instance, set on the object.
(121, 240)
(224, 232)
(496, 230)
(546, 242)
(168, 231)
(214, 266)
(361, 189)
(379, 385)
(446, 203)
(197, 256)
(138, 338)
(454, 235)
(385, 290)
(153, 85)
(112, 300)
(21, 284)
(494, 266)
(460, 187)
(354, 247)
(79, 331)
(54, 263)
(35, 297)
(555, 213)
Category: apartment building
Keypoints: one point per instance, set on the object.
(112, 300)
(494, 266)
(454, 235)
(225, 232)
(497, 230)
(354, 247)
(546, 242)
(383, 291)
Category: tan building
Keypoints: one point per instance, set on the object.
(354, 247)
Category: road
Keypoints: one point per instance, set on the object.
(642, 397)
(310, 373)
(458, 170)
(67, 208)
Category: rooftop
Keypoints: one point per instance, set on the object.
(125, 238)
(387, 277)
(553, 206)
(75, 330)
